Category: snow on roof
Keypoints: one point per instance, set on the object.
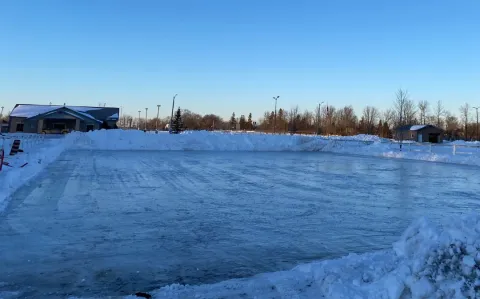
(417, 127)
(114, 116)
(24, 110)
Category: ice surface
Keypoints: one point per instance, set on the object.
(429, 260)
(367, 145)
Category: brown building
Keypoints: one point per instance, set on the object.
(419, 133)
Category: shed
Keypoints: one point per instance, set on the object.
(420, 133)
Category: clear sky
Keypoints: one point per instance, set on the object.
(222, 56)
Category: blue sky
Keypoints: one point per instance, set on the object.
(222, 56)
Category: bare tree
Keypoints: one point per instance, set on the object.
(439, 111)
(328, 118)
(451, 126)
(292, 118)
(370, 117)
(423, 108)
(401, 104)
(409, 112)
(465, 112)
(389, 117)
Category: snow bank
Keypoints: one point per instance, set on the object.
(366, 145)
(429, 261)
(221, 141)
(39, 151)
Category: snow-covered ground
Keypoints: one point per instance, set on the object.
(39, 151)
(429, 260)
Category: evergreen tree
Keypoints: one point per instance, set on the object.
(249, 122)
(386, 131)
(233, 122)
(380, 129)
(242, 122)
(177, 125)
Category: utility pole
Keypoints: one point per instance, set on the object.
(476, 108)
(275, 113)
(319, 117)
(122, 123)
(146, 118)
(171, 117)
(138, 126)
(158, 113)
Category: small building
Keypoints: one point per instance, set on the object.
(419, 133)
(61, 119)
(4, 128)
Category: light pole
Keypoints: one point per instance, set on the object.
(158, 113)
(476, 108)
(120, 118)
(171, 117)
(319, 117)
(138, 126)
(146, 118)
(275, 113)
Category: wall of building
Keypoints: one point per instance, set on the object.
(431, 130)
(406, 135)
(14, 121)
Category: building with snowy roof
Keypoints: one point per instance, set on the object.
(46, 119)
(419, 133)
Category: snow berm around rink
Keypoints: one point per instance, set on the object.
(429, 261)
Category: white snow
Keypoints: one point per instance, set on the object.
(113, 116)
(417, 127)
(425, 263)
(39, 151)
(33, 110)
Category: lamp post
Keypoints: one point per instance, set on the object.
(158, 113)
(476, 108)
(319, 117)
(171, 117)
(138, 126)
(275, 117)
(146, 118)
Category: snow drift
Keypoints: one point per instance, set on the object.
(429, 261)
(366, 145)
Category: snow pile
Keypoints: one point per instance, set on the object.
(444, 262)
(221, 141)
(428, 261)
(38, 152)
(366, 145)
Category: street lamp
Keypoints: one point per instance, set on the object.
(138, 126)
(476, 108)
(158, 113)
(146, 119)
(171, 117)
(319, 117)
(275, 113)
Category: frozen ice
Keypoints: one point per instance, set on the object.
(430, 259)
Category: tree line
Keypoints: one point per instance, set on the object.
(330, 120)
